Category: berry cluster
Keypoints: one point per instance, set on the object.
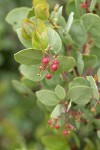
(49, 64)
(66, 116)
(67, 128)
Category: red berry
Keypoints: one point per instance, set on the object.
(54, 67)
(45, 61)
(55, 62)
(48, 76)
(83, 5)
(49, 122)
(57, 126)
(65, 132)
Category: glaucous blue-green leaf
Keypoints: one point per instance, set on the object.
(56, 111)
(47, 97)
(94, 87)
(98, 133)
(58, 142)
(56, 16)
(92, 4)
(71, 7)
(56, 79)
(89, 61)
(69, 105)
(80, 63)
(98, 75)
(80, 94)
(79, 81)
(96, 51)
(78, 33)
(28, 57)
(60, 92)
(66, 38)
(65, 63)
(21, 88)
(69, 22)
(16, 16)
(26, 42)
(54, 40)
(91, 23)
(32, 72)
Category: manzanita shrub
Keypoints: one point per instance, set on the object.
(60, 64)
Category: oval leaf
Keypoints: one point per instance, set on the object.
(26, 42)
(16, 16)
(32, 72)
(78, 33)
(54, 40)
(65, 63)
(60, 92)
(28, 57)
(57, 111)
(94, 87)
(47, 97)
(80, 95)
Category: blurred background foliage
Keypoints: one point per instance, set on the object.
(21, 121)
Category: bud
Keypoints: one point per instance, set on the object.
(42, 11)
(39, 37)
(28, 28)
(36, 2)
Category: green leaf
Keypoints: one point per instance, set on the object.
(98, 133)
(65, 63)
(27, 43)
(58, 13)
(80, 94)
(92, 25)
(89, 61)
(47, 97)
(30, 13)
(96, 51)
(69, 105)
(98, 75)
(55, 42)
(16, 15)
(58, 18)
(90, 145)
(94, 87)
(69, 22)
(79, 81)
(28, 27)
(92, 5)
(80, 63)
(78, 33)
(58, 142)
(71, 6)
(32, 72)
(60, 92)
(57, 111)
(21, 88)
(28, 57)
(40, 37)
